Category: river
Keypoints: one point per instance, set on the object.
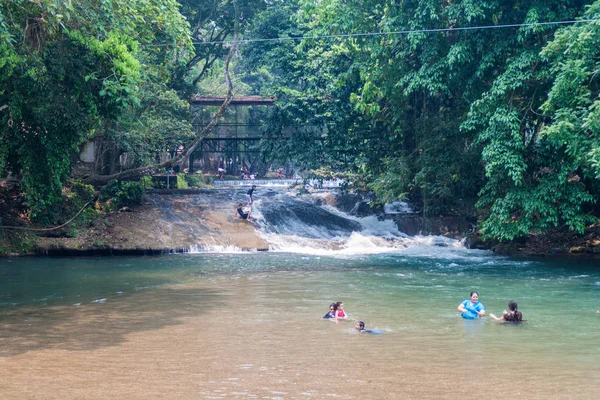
(231, 324)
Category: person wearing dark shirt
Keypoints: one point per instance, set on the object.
(331, 313)
(514, 315)
(360, 327)
(240, 210)
(249, 194)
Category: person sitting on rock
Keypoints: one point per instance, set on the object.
(240, 210)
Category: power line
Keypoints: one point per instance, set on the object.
(403, 32)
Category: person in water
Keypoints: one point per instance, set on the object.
(331, 313)
(339, 310)
(360, 327)
(471, 308)
(514, 315)
(249, 195)
(240, 210)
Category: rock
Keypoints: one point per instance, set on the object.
(577, 249)
(475, 242)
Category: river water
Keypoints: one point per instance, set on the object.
(231, 324)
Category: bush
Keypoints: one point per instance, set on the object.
(119, 194)
(75, 196)
(181, 181)
(194, 180)
(17, 242)
(146, 181)
(82, 191)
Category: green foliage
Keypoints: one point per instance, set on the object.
(535, 163)
(74, 197)
(16, 242)
(181, 181)
(69, 70)
(394, 182)
(212, 23)
(573, 100)
(504, 118)
(194, 180)
(146, 182)
(118, 194)
(444, 119)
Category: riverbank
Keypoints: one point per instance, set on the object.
(166, 222)
(202, 219)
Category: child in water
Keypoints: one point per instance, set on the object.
(360, 327)
(339, 310)
(514, 315)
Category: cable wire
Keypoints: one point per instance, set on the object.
(403, 32)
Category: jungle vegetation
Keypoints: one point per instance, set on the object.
(502, 122)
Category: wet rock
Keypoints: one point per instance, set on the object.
(454, 227)
(577, 249)
(474, 241)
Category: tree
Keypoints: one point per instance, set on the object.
(530, 184)
(68, 68)
(150, 169)
(213, 24)
(448, 117)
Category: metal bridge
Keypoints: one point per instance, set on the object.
(233, 142)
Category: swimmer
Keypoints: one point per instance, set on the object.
(331, 313)
(339, 310)
(471, 308)
(513, 316)
(360, 326)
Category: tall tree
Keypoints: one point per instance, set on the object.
(67, 69)
(445, 114)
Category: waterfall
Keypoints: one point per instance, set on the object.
(305, 224)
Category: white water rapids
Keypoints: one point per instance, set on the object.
(305, 224)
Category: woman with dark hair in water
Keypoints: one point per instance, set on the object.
(514, 315)
(471, 308)
(331, 313)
